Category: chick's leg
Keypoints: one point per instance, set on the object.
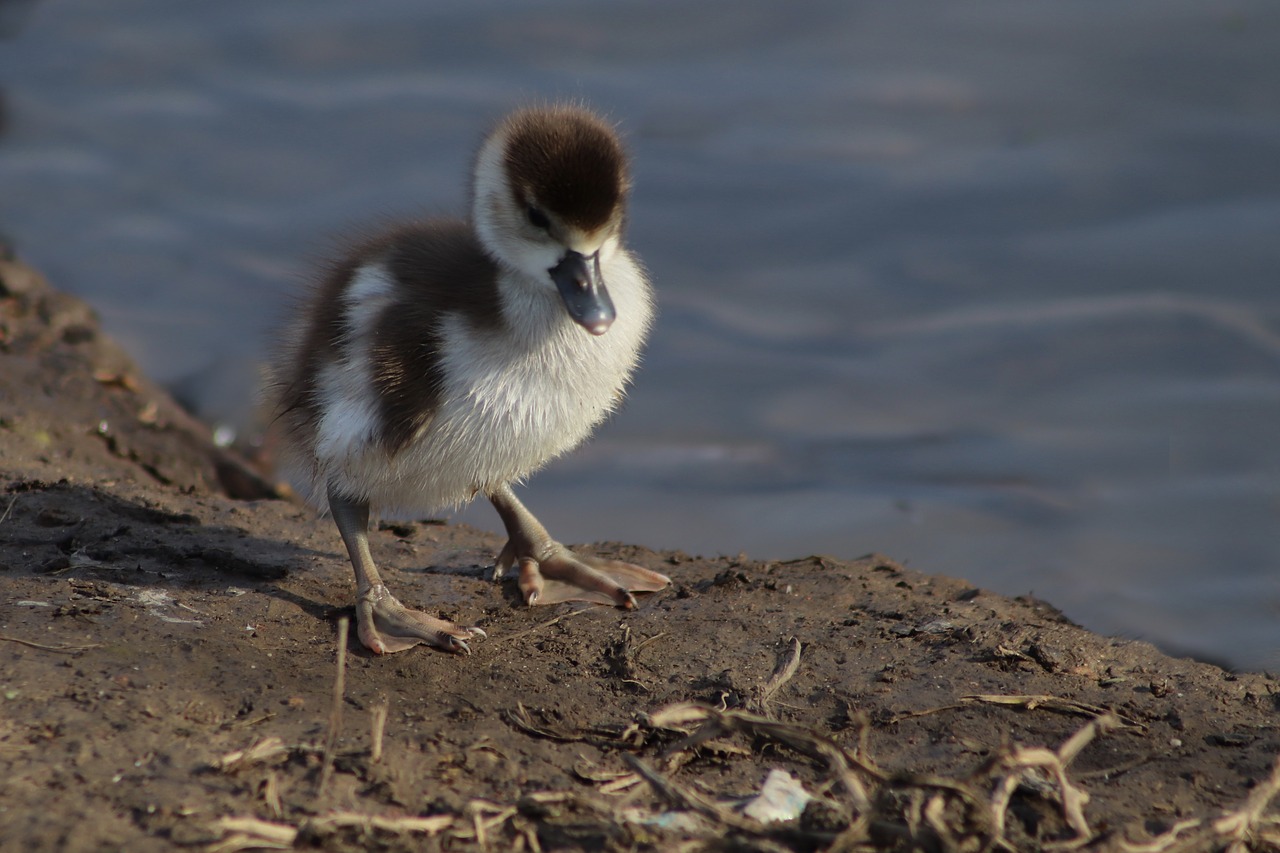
(383, 623)
(551, 573)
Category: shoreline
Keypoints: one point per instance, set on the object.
(170, 674)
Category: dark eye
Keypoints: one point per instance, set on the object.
(537, 218)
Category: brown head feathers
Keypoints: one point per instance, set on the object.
(567, 160)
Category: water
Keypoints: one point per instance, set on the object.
(989, 287)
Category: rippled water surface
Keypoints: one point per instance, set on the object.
(990, 287)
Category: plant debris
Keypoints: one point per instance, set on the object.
(914, 712)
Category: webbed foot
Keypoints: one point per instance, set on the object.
(561, 575)
(386, 626)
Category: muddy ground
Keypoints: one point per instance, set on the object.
(170, 658)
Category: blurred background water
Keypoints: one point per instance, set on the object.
(989, 287)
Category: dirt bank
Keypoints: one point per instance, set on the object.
(170, 658)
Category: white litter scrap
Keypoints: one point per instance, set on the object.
(690, 823)
(781, 799)
(154, 599)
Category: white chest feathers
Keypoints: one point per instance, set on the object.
(512, 399)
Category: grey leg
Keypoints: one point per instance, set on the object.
(551, 573)
(383, 623)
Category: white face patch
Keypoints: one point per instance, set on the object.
(604, 241)
(490, 184)
(504, 231)
(608, 248)
(535, 260)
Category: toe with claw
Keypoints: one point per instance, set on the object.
(385, 626)
(557, 574)
(550, 573)
(383, 623)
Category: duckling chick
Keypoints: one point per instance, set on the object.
(449, 358)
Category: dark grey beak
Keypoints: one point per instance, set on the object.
(582, 289)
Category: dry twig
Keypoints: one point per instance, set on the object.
(335, 709)
(685, 798)
(788, 665)
(263, 750)
(377, 726)
(1054, 703)
(1244, 829)
(1023, 761)
(1248, 823)
(8, 509)
(250, 833)
(45, 648)
(797, 737)
(547, 624)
